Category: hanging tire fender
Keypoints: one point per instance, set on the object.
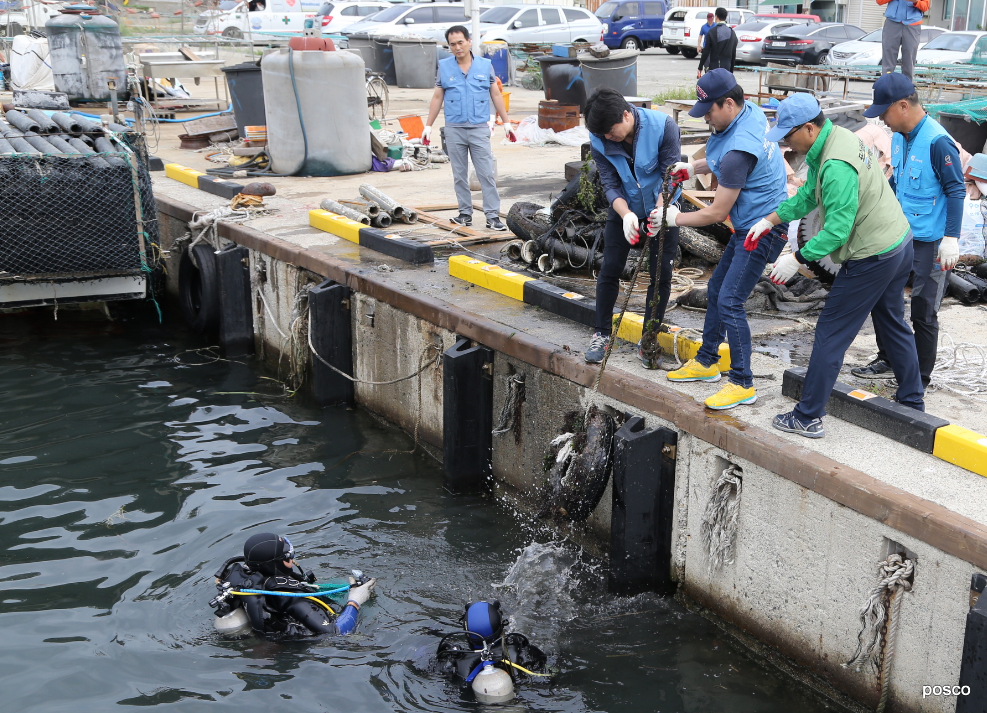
(198, 289)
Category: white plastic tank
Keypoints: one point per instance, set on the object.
(333, 136)
(85, 51)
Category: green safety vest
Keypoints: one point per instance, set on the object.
(879, 223)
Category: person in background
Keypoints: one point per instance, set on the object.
(865, 232)
(928, 179)
(710, 23)
(632, 149)
(720, 46)
(751, 176)
(464, 88)
(902, 27)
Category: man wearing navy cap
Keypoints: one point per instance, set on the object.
(751, 177)
(865, 232)
(928, 179)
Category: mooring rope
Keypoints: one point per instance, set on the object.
(719, 525)
(960, 368)
(510, 411)
(879, 619)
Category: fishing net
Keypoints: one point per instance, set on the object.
(77, 215)
(976, 109)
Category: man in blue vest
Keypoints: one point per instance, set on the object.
(902, 32)
(927, 178)
(632, 149)
(751, 176)
(464, 88)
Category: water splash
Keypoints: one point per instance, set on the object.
(538, 588)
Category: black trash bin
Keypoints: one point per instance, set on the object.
(563, 81)
(385, 58)
(246, 85)
(618, 71)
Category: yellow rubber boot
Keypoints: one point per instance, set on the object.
(731, 395)
(692, 370)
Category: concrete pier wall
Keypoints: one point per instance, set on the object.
(811, 531)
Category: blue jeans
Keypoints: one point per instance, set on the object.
(729, 287)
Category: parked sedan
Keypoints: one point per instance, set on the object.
(751, 35)
(807, 44)
(952, 48)
(424, 19)
(539, 23)
(867, 50)
(337, 15)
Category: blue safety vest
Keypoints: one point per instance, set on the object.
(467, 96)
(919, 191)
(766, 185)
(903, 11)
(642, 185)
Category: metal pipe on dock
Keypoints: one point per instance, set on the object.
(368, 208)
(339, 209)
(381, 220)
(396, 210)
(41, 119)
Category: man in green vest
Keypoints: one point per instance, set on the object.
(866, 233)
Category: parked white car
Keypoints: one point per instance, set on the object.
(27, 14)
(270, 16)
(867, 50)
(337, 15)
(680, 30)
(423, 19)
(751, 35)
(539, 23)
(951, 48)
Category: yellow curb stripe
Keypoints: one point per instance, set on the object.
(188, 176)
(492, 277)
(632, 327)
(335, 224)
(962, 447)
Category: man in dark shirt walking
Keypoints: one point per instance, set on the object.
(720, 46)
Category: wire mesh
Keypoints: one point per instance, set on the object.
(974, 108)
(64, 214)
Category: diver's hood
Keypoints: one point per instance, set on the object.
(483, 622)
(266, 553)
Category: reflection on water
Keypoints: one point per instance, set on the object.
(127, 478)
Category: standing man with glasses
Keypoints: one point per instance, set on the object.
(464, 87)
(865, 232)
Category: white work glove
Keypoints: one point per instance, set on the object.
(682, 171)
(784, 269)
(426, 133)
(511, 136)
(760, 229)
(359, 595)
(949, 253)
(654, 220)
(632, 228)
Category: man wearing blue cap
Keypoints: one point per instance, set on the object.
(751, 176)
(928, 179)
(866, 233)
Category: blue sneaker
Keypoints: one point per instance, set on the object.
(597, 348)
(790, 423)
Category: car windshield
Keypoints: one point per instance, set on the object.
(951, 42)
(391, 13)
(751, 26)
(874, 36)
(226, 5)
(606, 9)
(499, 15)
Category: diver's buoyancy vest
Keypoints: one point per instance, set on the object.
(458, 658)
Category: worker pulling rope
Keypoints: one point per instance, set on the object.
(719, 525)
(879, 620)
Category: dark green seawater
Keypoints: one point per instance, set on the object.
(127, 478)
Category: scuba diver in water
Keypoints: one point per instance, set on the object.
(268, 565)
(486, 657)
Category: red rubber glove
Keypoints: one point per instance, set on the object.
(754, 235)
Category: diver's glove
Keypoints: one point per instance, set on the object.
(310, 577)
(358, 595)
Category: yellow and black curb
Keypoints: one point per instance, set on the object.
(202, 181)
(372, 238)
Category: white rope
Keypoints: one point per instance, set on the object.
(960, 368)
(879, 620)
(718, 529)
(270, 314)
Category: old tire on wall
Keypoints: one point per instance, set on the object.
(523, 222)
(198, 289)
(700, 245)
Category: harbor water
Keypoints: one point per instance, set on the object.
(133, 463)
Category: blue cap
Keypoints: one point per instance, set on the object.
(888, 89)
(712, 86)
(978, 166)
(793, 112)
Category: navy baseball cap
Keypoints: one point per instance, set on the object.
(712, 86)
(793, 112)
(887, 90)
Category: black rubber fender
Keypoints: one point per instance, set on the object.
(808, 229)
(198, 289)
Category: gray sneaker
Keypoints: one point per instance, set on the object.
(877, 369)
(597, 348)
(790, 423)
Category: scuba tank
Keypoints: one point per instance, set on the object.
(230, 616)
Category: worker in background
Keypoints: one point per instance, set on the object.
(751, 176)
(632, 148)
(710, 23)
(928, 179)
(902, 27)
(720, 46)
(865, 232)
(464, 88)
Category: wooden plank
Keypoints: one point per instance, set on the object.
(210, 125)
(189, 54)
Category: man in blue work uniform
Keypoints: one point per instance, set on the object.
(928, 179)
(902, 32)
(751, 176)
(632, 149)
(865, 232)
(464, 87)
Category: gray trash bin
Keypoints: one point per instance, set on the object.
(414, 62)
(617, 71)
(364, 46)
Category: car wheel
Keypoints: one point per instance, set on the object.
(689, 53)
(823, 58)
(582, 40)
(630, 43)
(672, 49)
(233, 33)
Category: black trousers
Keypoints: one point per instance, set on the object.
(615, 252)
